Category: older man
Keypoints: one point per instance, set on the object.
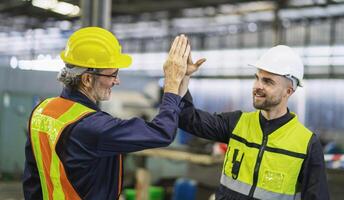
(74, 150)
(270, 154)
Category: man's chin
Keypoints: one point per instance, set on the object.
(105, 98)
(259, 106)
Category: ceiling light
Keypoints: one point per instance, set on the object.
(66, 8)
(45, 4)
(62, 8)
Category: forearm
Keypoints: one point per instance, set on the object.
(214, 127)
(183, 88)
(135, 134)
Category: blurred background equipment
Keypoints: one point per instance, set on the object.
(230, 34)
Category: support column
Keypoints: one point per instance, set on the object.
(96, 13)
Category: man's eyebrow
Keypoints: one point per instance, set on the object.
(268, 79)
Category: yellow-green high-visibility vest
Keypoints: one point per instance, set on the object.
(265, 166)
(47, 122)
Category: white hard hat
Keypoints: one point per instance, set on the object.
(282, 60)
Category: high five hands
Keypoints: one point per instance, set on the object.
(179, 65)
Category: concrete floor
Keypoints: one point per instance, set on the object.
(11, 191)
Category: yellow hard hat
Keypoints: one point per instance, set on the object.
(94, 47)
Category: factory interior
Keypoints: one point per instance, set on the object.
(230, 34)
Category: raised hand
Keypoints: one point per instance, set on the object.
(192, 67)
(176, 64)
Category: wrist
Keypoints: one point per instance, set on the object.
(172, 82)
(171, 86)
(173, 90)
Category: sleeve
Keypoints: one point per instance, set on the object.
(31, 182)
(216, 127)
(105, 135)
(313, 175)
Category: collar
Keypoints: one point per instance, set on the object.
(278, 121)
(78, 97)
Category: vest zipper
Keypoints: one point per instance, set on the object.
(257, 166)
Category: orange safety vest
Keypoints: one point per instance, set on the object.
(47, 122)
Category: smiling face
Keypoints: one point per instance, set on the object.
(103, 82)
(96, 85)
(270, 91)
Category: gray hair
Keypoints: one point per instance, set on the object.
(70, 75)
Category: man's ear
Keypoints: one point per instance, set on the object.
(290, 91)
(289, 86)
(86, 80)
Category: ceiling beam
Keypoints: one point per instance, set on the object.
(8, 6)
(141, 6)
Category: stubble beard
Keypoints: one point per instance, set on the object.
(266, 104)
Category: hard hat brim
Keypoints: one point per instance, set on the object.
(300, 83)
(124, 61)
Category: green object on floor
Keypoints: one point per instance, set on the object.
(155, 193)
(129, 194)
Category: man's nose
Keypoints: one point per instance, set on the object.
(116, 81)
(257, 84)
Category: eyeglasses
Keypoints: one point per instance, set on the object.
(114, 75)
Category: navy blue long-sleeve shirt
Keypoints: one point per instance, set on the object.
(90, 148)
(219, 127)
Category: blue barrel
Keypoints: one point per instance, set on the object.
(184, 189)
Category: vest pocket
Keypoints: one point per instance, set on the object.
(273, 180)
(236, 164)
(232, 164)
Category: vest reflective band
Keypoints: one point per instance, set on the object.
(47, 122)
(265, 166)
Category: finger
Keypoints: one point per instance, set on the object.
(183, 46)
(174, 45)
(190, 59)
(187, 52)
(179, 43)
(200, 62)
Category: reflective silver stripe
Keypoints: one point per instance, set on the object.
(259, 193)
(235, 185)
(268, 195)
(298, 196)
